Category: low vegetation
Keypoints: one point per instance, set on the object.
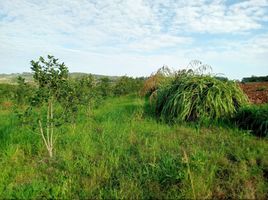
(118, 152)
(253, 118)
(88, 138)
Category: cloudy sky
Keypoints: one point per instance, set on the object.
(135, 37)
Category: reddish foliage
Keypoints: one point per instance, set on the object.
(6, 105)
(256, 92)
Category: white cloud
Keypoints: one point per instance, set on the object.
(145, 33)
(159, 42)
(218, 17)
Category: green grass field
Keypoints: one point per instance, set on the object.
(119, 151)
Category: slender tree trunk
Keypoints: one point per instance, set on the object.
(48, 138)
(51, 126)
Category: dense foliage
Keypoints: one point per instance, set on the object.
(104, 87)
(156, 80)
(127, 85)
(255, 79)
(7, 92)
(51, 78)
(253, 118)
(23, 92)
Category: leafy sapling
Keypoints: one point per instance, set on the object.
(51, 77)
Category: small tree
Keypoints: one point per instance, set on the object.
(104, 87)
(85, 87)
(126, 85)
(51, 77)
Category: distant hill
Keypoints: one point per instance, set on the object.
(12, 78)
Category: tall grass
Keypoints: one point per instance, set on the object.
(253, 118)
(193, 97)
(118, 153)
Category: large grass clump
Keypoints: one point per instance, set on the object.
(253, 118)
(194, 97)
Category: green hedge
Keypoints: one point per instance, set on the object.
(253, 118)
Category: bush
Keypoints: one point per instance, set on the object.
(253, 118)
(261, 88)
(104, 86)
(7, 91)
(85, 89)
(23, 91)
(161, 77)
(192, 97)
(127, 85)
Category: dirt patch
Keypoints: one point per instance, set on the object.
(256, 92)
(6, 104)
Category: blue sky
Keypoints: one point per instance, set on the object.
(136, 37)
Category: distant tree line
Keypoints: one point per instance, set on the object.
(84, 88)
(255, 79)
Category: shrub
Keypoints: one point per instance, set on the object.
(127, 85)
(7, 92)
(23, 91)
(156, 80)
(193, 97)
(84, 89)
(253, 118)
(104, 87)
(261, 88)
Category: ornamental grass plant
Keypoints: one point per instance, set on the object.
(197, 97)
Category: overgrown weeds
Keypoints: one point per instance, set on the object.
(118, 153)
(253, 118)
